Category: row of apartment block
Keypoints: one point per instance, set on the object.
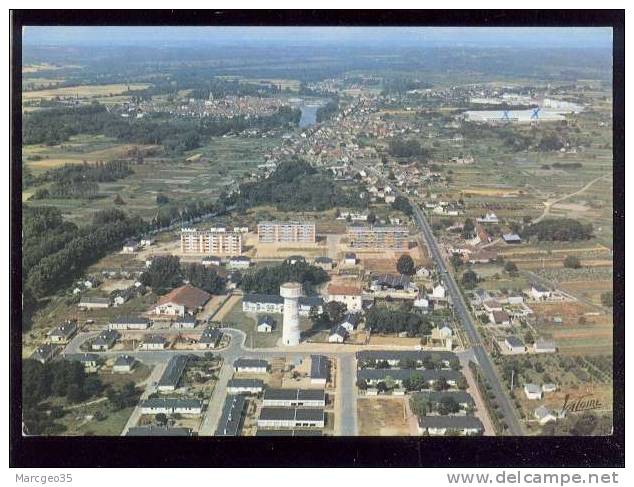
(213, 242)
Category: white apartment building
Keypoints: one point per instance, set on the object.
(216, 241)
(286, 232)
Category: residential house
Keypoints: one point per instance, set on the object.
(87, 302)
(512, 238)
(63, 333)
(158, 405)
(294, 398)
(306, 303)
(251, 366)
(319, 367)
(539, 292)
(130, 246)
(182, 300)
(245, 386)
(153, 342)
(338, 335)
(185, 322)
(124, 364)
(544, 346)
(276, 417)
(172, 374)
(105, 340)
(44, 353)
(514, 345)
(549, 387)
(442, 425)
(500, 318)
(232, 417)
(350, 321)
(544, 415)
(350, 295)
(210, 338)
(325, 263)
(265, 324)
(129, 323)
(532, 392)
(90, 361)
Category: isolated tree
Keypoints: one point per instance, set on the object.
(572, 262)
(468, 229)
(161, 419)
(511, 268)
(405, 265)
(607, 299)
(456, 261)
(469, 279)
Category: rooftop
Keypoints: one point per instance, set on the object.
(189, 296)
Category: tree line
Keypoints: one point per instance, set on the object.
(297, 186)
(558, 229)
(382, 319)
(267, 280)
(167, 272)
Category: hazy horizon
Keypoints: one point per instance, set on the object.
(169, 36)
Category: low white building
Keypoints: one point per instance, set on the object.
(124, 364)
(245, 386)
(533, 392)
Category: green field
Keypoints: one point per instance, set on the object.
(222, 161)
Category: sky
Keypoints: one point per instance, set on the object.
(554, 37)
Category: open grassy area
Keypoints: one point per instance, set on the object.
(382, 417)
(222, 161)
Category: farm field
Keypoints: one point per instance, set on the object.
(583, 330)
(382, 417)
(86, 91)
(223, 161)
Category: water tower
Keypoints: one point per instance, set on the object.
(291, 292)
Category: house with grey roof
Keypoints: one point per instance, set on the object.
(294, 397)
(172, 374)
(153, 342)
(44, 353)
(251, 366)
(279, 417)
(210, 338)
(158, 405)
(105, 340)
(319, 368)
(155, 430)
(544, 346)
(514, 345)
(184, 322)
(232, 417)
(266, 323)
(90, 361)
(124, 364)
(338, 334)
(442, 425)
(532, 391)
(88, 302)
(245, 386)
(63, 333)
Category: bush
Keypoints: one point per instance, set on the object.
(572, 262)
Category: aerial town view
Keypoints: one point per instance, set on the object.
(316, 232)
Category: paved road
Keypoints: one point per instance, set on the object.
(463, 313)
(149, 389)
(347, 391)
(479, 353)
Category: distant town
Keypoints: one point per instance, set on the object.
(328, 252)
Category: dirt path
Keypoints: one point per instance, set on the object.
(84, 404)
(549, 204)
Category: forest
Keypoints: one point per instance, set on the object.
(267, 280)
(297, 186)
